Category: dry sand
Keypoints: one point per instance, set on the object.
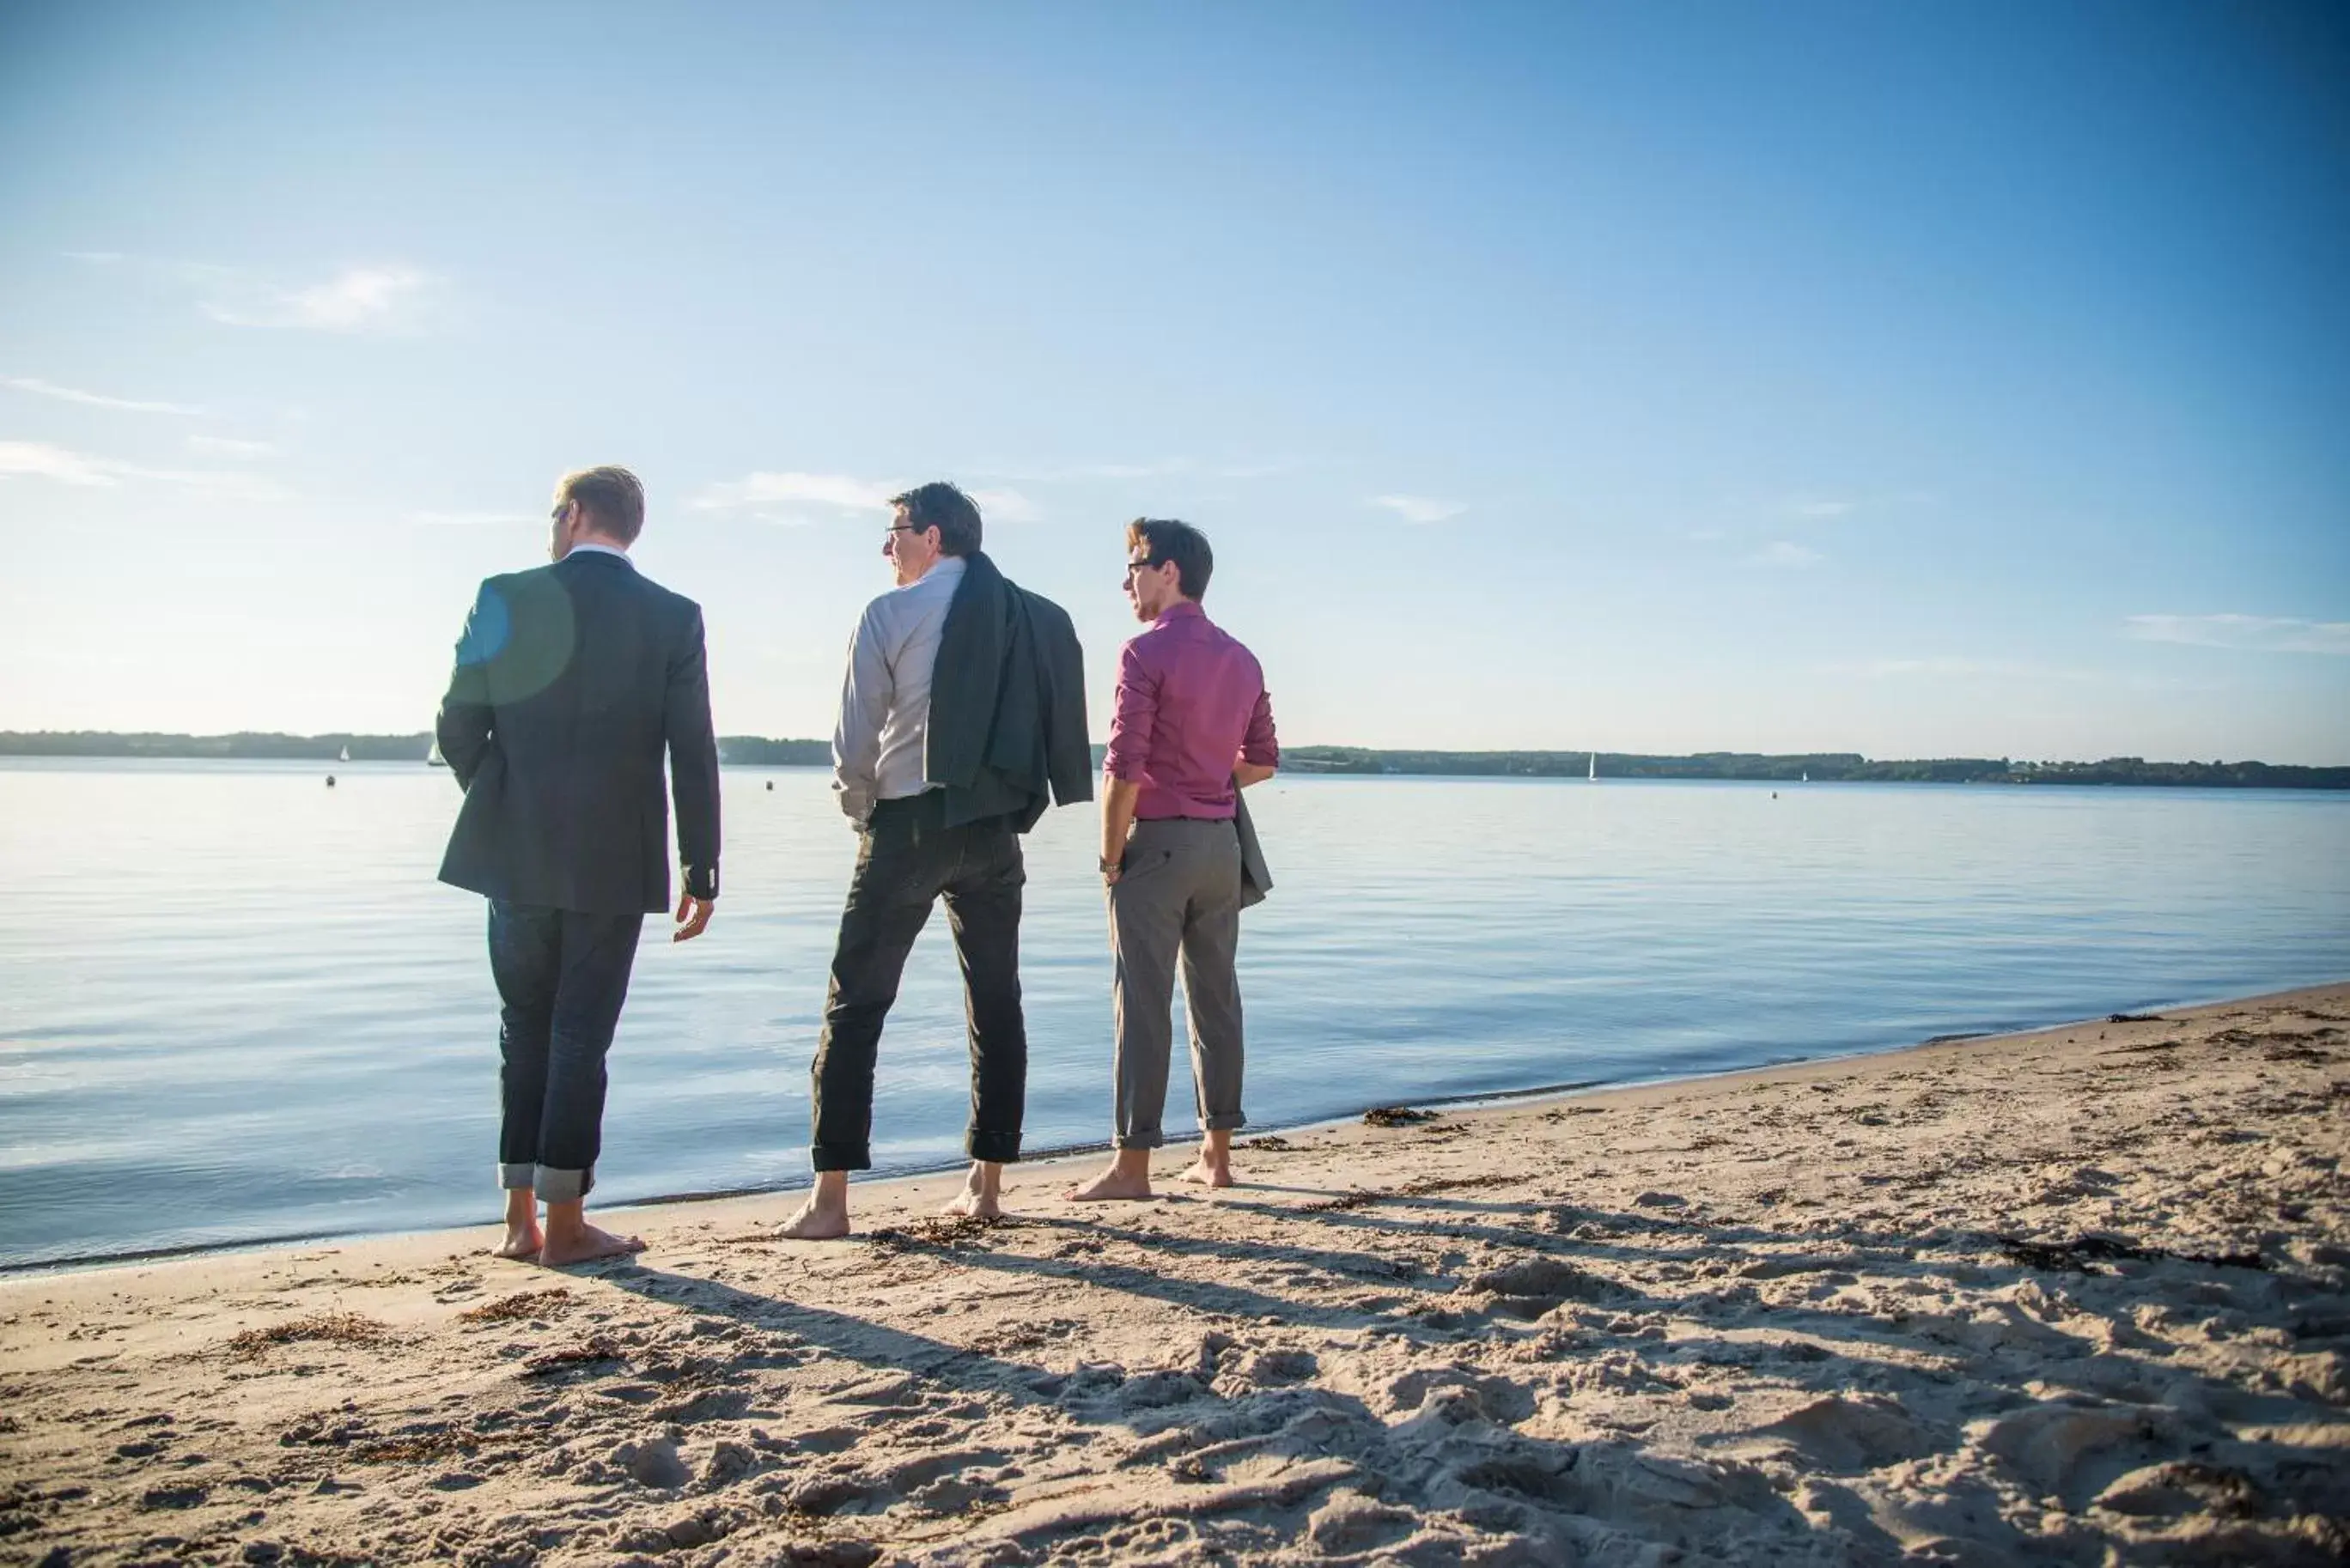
(2072, 1297)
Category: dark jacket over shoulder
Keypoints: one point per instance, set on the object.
(1007, 722)
(571, 682)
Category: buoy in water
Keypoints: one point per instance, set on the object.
(770, 784)
(330, 781)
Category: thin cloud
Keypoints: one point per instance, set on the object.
(1127, 470)
(1159, 468)
(469, 519)
(1961, 668)
(1815, 506)
(760, 494)
(843, 492)
(378, 296)
(357, 300)
(1785, 553)
(1419, 508)
(229, 446)
(1005, 506)
(36, 459)
(1819, 507)
(207, 482)
(2255, 633)
(41, 388)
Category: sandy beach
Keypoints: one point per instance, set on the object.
(2080, 1296)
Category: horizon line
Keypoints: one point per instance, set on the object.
(1302, 749)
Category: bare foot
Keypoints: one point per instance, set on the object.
(585, 1245)
(1209, 1172)
(522, 1243)
(816, 1221)
(1113, 1183)
(982, 1194)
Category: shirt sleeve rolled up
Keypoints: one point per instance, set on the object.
(865, 696)
(1134, 716)
(1259, 746)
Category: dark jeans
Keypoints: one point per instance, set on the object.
(562, 976)
(908, 858)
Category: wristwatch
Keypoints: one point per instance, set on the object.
(1108, 865)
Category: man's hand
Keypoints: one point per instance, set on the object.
(692, 917)
(1118, 796)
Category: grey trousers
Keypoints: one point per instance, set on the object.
(1178, 894)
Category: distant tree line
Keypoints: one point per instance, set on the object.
(1820, 767)
(758, 751)
(751, 750)
(245, 745)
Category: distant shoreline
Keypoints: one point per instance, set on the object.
(1816, 767)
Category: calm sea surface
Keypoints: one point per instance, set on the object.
(235, 1004)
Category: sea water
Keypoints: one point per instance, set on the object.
(235, 1006)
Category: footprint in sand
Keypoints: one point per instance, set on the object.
(653, 1463)
(1534, 1286)
(1849, 1434)
(829, 1494)
(1494, 1399)
(1280, 1366)
(1349, 1524)
(2073, 1450)
(2176, 1489)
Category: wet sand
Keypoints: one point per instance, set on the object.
(2081, 1296)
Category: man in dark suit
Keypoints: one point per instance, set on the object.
(571, 681)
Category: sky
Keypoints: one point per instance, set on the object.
(1918, 381)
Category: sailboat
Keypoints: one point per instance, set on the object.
(346, 756)
(1593, 774)
(432, 754)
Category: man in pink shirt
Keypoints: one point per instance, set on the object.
(1192, 726)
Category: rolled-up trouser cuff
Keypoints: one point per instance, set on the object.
(564, 1186)
(552, 1185)
(836, 1157)
(1226, 1121)
(996, 1148)
(1138, 1140)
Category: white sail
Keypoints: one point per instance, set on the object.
(1593, 774)
(346, 756)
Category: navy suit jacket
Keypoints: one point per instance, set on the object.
(1007, 722)
(571, 682)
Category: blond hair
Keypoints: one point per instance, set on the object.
(613, 496)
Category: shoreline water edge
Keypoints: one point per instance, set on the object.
(884, 1174)
(2081, 1294)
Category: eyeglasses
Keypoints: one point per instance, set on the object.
(1144, 564)
(561, 512)
(898, 528)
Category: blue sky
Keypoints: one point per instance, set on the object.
(1919, 380)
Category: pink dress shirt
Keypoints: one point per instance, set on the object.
(1189, 699)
